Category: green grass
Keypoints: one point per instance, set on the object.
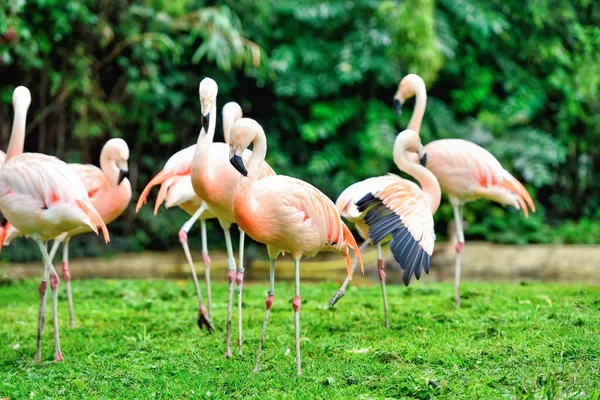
(138, 339)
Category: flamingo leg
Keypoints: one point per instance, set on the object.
(54, 281)
(206, 260)
(42, 311)
(381, 271)
(268, 304)
(231, 278)
(296, 304)
(240, 281)
(458, 220)
(203, 318)
(67, 278)
(340, 292)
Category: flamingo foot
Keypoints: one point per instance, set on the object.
(58, 357)
(336, 296)
(459, 247)
(183, 236)
(203, 320)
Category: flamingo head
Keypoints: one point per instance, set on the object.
(407, 89)
(116, 152)
(21, 98)
(243, 132)
(208, 91)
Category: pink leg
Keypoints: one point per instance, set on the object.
(458, 220)
(43, 290)
(239, 280)
(203, 318)
(206, 261)
(380, 269)
(342, 290)
(268, 304)
(54, 281)
(231, 279)
(296, 304)
(67, 278)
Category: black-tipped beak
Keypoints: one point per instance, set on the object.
(238, 164)
(123, 173)
(205, 122)
(398, 106)
(423, 160)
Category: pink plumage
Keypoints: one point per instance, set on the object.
(466, 171)
(286, 214)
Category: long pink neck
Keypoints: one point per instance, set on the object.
(429, 183)
(259, 153)
(109, 168)
(17, 136)
(420, 104)
(205, 138)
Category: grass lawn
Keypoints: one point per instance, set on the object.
(138, 339)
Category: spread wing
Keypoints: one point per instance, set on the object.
(402, 211)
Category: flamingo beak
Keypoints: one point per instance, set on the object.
(423, 160)
(123, 173)
(238, 164)
(398, 106)
(205, 122)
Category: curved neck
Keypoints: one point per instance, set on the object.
(109, 168)
(258, 155)
(212, 122)
(420, 103)
(429, 183)
(228, 120)
(17, 136)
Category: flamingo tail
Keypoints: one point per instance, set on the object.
(3, 231)
(95, 218)
(157, 180)
(162, 195)
(351, 242)
(512, 184)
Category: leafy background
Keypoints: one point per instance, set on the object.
(519, 78)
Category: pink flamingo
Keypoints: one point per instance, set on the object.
(465, 171)
(176, 190)
(109, 191)
(43, 198)
(403, 213)
(286, 214)
(214, 181)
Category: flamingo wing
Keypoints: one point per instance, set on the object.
(402, 211)
(467, 171)
(179, 164)
(40, 182)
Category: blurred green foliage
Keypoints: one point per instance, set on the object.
(520, 79)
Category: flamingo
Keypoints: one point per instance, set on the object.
(286, 214)
(465, 171)
(403, 213)
(214, 181)
(176, 190)
(43, 198)
(109, 191)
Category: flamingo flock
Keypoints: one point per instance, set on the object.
(44, 199)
